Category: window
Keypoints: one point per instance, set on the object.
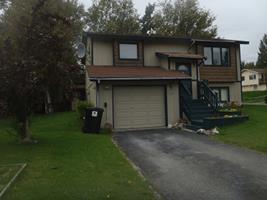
(261, 77)
(225, 56)
(222, 93)
(243, 78)
(128, 51)
(208, 55)
(183, 67)
(216, 56)
(252, 77)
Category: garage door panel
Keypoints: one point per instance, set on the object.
(139, 107)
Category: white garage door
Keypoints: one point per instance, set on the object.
(139, 107)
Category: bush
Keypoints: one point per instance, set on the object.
(82, 106)
(265, 99)
(231, 107)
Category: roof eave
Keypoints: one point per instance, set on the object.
(136, 78)
(220, 41)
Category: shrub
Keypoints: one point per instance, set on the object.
(231, 107)
(82, 106)
(265, 99)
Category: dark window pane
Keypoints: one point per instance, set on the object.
(208, 54)
(225, 57)
(216, 56)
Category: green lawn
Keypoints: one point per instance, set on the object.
(67, 164)
(254, 97)
(251, 134)
(6, 174)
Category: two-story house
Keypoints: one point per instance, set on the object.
(254, 79)
(146, 81)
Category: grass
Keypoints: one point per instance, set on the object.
(254, 97)
(251, 134)
(67, 164)
(6, 174)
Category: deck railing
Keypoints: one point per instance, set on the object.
(205, 93)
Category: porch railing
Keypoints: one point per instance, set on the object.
(205, 93)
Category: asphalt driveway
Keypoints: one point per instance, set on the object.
(183, 166)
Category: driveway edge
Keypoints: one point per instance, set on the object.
(138, 170)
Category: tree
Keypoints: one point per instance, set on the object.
(113, 16)
(247, 64)
(262, 55)
(40, 57)
(147, 22)
(184, 18)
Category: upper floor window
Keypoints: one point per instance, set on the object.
(252, 77)
(216, 56)
(243, 78)
(183, 67)
(128, 51)
(261, 76)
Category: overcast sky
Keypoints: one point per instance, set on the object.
(236, 19)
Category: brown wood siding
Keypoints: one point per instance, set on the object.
(118, 62)
(219, 74)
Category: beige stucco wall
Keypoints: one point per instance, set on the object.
(102, 52)
(150, 49)
(163, 63)
(173, 103)
(90, 89)
(250, 88)
(105, 95)
(234, 90)
(247, 82)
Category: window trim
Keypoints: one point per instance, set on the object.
(220, 47)
(129, 59)
(228, 93)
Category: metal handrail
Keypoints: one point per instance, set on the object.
(208, 95)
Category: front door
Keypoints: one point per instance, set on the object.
(185, 68)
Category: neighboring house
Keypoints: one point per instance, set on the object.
(254, 79)
(151, 81)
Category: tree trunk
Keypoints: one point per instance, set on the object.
(48, 103)
(25, 131)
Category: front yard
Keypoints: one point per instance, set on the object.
(251, 134)
(67, 164)
(254, 97)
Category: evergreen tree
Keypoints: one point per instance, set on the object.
(262, 55)
(184, 18)
(147, 22)
(37, 54)
(113, 16)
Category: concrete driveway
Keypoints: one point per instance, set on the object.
(184, 165)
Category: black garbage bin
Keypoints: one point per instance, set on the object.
(92, 120)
